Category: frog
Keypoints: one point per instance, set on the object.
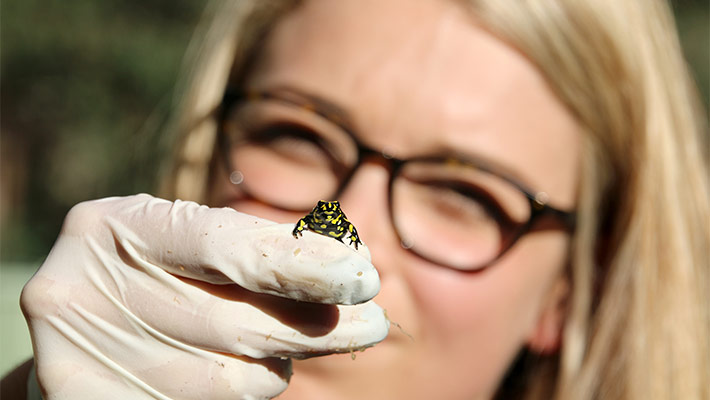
(328, 219)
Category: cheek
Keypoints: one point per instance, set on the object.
(508, 292)
(481, 320)
(470, 317)
(223, 193)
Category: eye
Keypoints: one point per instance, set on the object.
(291, 130)
(466, 201)
(292, 141)
(284, 134)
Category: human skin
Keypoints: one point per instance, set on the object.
(414, 79)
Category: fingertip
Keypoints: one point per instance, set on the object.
(314, 267)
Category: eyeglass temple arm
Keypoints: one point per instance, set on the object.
(555, 218)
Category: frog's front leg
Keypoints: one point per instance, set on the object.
(354, 237)
(301, 225)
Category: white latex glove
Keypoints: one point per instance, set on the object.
(137, 300)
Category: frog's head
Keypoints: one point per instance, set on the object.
(328, 205)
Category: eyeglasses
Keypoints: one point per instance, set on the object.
(289, 151)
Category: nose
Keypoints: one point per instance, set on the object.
(365, 202)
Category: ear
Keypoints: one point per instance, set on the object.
(546, 336)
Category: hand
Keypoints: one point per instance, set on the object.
(145, 298)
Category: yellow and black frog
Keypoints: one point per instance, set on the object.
(328, 219)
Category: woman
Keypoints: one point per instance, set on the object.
(526, 176)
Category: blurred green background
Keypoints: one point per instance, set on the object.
(85, 88)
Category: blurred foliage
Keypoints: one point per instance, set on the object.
(85, 88)
(693, 20)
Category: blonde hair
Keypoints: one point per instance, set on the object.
(638, 319)
(230, 31)
(638, 323)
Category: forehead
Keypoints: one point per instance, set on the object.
(360, 47)
(422, 75)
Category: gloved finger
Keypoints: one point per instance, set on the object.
(293, 329)
(236, 320)
(222, 246)
(143, 367)
(221, 376)
(184, 377)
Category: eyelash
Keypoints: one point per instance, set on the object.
(295, 138)
(276, 130)
(479, 195)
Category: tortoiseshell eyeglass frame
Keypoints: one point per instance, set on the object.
(542, 215)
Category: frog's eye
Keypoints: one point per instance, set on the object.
(330, 205)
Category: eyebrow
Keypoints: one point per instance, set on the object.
(311, 101)
(339, 116)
